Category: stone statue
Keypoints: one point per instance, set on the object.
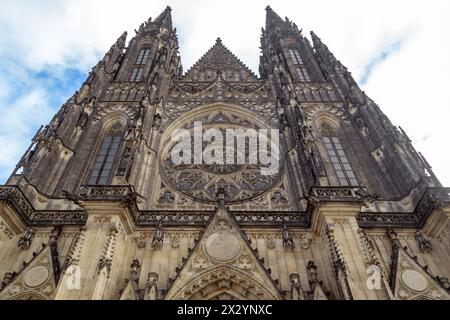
(83, 120)
(424, 245)
(27, 239)
(158, 237)
(312, 272)
(135, 266)
(296, 288)
(288, 242)
(151, 288)
(157, 121)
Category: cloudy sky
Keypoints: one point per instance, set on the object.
(397, 50)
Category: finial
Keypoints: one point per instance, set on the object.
(169, 8)
(268, 8)
(218, 41)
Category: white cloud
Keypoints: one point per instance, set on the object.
(410, 86)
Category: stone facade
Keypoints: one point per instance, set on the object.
(96, 210)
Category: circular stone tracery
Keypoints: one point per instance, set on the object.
(202, 182)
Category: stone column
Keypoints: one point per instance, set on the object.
(337, 223)
(96, 253)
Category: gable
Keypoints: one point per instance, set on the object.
(223, 265)
(36, 281)
(412, 282)
(219, 59)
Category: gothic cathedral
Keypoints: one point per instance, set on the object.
(97, 208)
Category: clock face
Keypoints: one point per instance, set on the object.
(235, 174)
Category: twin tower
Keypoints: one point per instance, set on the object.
(97, 208)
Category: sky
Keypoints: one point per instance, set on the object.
(398, 51)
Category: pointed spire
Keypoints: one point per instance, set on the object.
(272, 18)
(327, 57)
(165, 19)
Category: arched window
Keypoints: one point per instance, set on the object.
(106, 155)
(338, 158)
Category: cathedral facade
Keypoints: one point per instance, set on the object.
(98, 209)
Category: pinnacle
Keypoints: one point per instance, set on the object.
(272, 17)
(165, 18)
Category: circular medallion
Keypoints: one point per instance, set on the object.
(223, 247)
(36, 276)
(414, 280)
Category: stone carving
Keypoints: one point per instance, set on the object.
(151, 287)
(175, 241)
(5, 229)
(288, 242)
(312, 272)
(201, 182)
(7, 279)
(424, 245)
(104, 263)
(167, 197)
(200, 262)
(27, 239)
(296, 287)
(158, 237)
(305, 242)
(444, 282)
(270, 243)
(245, 262)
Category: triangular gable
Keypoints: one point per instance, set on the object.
(130, 292)
(218, 58)
(318, 293)
(223, 266)
(36, 281)
(413, 282)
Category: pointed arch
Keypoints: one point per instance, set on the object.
(28, 295)
(108, 149)
(335, 149)
(223, 279)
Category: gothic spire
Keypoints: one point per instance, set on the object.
(165, 19)
(272, 18)
(325, 53)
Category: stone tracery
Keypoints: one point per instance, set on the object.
(201, 182)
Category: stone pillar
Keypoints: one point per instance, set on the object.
(352, 268)
(96, 253)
